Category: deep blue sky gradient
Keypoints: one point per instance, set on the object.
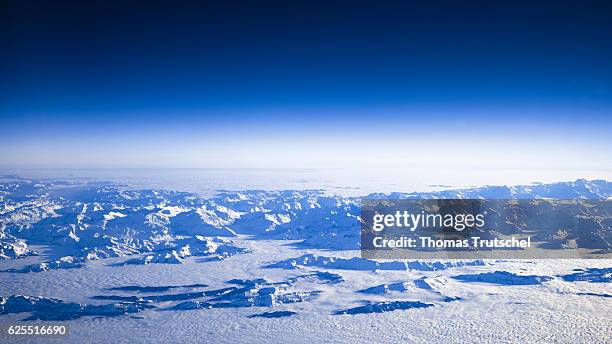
(111, 76)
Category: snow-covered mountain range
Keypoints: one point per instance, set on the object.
(100, 220)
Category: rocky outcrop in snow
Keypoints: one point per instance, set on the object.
(421, 283)
(503, 278)
(215, 249)
(382, 307)
(276, 314)
(15, 249)
(367, 264)
(593, 275)
(67, 262)
(48, 309)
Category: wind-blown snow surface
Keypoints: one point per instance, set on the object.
(271, 266)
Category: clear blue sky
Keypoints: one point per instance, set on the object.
(305, 83)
